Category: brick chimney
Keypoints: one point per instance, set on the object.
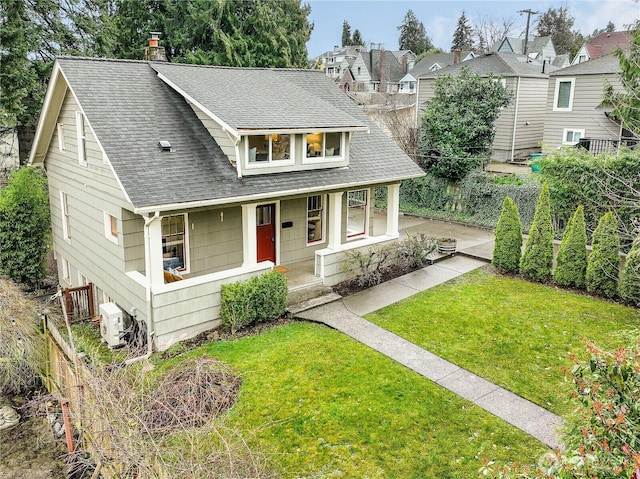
(154, 52)
(404, 63)
(456, 56)
(383, 72)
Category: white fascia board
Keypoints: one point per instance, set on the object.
(45, 110)
(226, 127)
(266, 196)
(293, 131)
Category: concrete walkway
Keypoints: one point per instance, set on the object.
(345, 316)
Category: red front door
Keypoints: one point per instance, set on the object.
(266, 232)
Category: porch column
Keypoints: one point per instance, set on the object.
(249, 241)
(335, 220)
(393, 209)
(153, 251)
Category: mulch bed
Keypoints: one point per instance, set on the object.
(351, 286)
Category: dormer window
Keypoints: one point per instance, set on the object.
(271, 148)
(324, 146)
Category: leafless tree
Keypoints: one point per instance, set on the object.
(489, 31)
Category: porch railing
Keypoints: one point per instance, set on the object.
(612, 145)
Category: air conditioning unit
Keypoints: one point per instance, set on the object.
(111, 325)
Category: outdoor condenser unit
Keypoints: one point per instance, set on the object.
(111, 324)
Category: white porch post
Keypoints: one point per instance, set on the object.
(393, 209)
(153, 252)
(335, 220)
(249, 242)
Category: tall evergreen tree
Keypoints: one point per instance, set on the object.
(357, 38)
(413, 35)
(537, 259)
(571, 262)
(346, 33)
(32, 33)
(604, 261)
(557, 23)
(629, 287)
(463, 34)
(507, 248)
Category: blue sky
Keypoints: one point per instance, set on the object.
(377, 19)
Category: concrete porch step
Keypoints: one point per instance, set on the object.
(297, 308)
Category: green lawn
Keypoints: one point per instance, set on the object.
(322, 405)
(512, 332)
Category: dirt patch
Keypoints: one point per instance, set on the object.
(29, 450)
(351, 286)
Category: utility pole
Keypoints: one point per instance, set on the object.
(529, 12)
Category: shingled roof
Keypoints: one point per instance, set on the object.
(498, 64)
(598, 66)
(130, 109)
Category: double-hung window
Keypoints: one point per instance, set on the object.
(174, 242)
(82, 138)
(315, 219)
(64, 213)
(563, 96)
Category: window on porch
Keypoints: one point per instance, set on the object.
(357, 206)
(315, 214)
(174, 242)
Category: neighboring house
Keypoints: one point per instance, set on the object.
(519, 127)
(217, 173)
(430, 63)
(538, 48)
(377, 70)
(574, 104)
(335, 62)
(603, 45)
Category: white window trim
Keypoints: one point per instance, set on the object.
(64, 213)
(564, 135)
(61, 146)
(270, 163)
(82, 138)
(323, 217)
(323, 159)
(66, 270)
(107, 228)
(187, 259)
(557, 92)
(82, 279)
(363, 234)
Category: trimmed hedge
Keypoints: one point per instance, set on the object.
(508, 244)
(604, 260)
(537, 259)
(260, 299)
(571, 262)
(629, 287)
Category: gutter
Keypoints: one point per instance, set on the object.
(147, 264)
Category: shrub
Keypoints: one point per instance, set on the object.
(604, 260)
(262, 298)
(415, 250)
(629, 287)
(24, 226)
(571, 263)
(370, 266)
(508, 244)
(537, 259)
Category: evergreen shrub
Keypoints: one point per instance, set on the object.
(537, 259)
(508, 240)
(629, 287)
(262, 298)
(571, 262)
(604, 260)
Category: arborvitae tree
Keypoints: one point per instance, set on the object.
(357, 38)
(537, 259)
(24, 226)
(413, 35)
(629, 287)
(604, 260)
(463, 35)
(508, 244)
(346, 33)
(571, 262)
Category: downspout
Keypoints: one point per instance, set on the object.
(515, 121)
(147, 265)
(236, 144)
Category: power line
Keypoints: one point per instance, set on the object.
(529, 12)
